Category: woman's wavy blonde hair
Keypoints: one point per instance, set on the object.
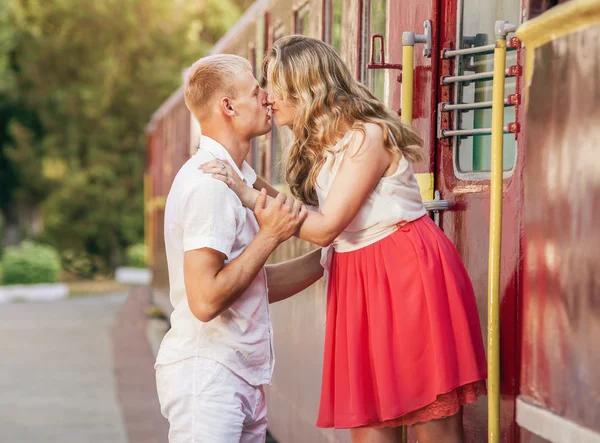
(311, 75)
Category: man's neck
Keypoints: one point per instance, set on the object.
(238, 149)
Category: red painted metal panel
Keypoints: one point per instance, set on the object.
(528, 437)
(168, 149)
(404, 16)
(467, 225)
(561, 315)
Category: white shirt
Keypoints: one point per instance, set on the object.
(202, 212)
(395, 199)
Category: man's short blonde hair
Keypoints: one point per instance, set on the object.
(209, 76)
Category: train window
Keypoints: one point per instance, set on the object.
(259, 145)
(253, 154)
(374, 21)
(473, 153)
(276, 145)
(261, 32)
(332, 23)
(301, 20)
(336, 24)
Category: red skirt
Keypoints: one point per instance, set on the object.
(403, 342)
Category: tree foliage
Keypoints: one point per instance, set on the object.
(78, 83)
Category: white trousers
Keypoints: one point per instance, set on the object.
(205, 402)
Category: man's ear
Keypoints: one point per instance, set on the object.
(227, 107)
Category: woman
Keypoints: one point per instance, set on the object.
(403, 344)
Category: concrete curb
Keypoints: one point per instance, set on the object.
(133, 276)
(34, 293)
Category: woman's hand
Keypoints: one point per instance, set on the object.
(222, 170)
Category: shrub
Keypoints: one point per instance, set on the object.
(82, 264)
(1, 235)
(135, 256)
(30, 263)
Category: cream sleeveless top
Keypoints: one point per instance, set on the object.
(395, 199)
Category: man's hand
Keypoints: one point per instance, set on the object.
(281, 218)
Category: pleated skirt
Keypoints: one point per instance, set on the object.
(403, 342)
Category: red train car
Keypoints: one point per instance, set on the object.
(548, 310)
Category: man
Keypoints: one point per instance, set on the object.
(218, 354)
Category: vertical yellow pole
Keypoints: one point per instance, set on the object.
(493, 338)
(408, 57)
(148, 226)
(408, 66)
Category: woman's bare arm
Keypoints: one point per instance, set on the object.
(364, 163)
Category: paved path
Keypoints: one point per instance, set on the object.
(57, 372)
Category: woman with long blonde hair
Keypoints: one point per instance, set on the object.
(403, 343)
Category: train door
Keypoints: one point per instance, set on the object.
(452, 111)
(462, 176)
(414, 16)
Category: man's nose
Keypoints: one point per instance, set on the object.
(266, 101)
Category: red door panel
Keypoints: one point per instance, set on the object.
(409, 15)
(461, 178)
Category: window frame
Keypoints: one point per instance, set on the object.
(326, 21)
(485, 175)
(364, 46)
(299, 14)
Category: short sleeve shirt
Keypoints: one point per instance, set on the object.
(202, 212)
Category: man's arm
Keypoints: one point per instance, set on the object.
(365, 161)
(211, 287)
(290, 277)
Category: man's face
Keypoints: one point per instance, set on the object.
(253, 115)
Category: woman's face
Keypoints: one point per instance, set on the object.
(283, 111)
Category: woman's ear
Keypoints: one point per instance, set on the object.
(228, 107)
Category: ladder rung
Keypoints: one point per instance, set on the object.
(467, 132)
(480, 76)
(470, 106)
(480, 50)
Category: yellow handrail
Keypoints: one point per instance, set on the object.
(502, 28)
(408, 65)
(564, 19)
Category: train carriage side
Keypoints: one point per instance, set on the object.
(559, 398)
(451, 108)
(169, 135)
(299, 322)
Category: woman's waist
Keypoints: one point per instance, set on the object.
(352, 240)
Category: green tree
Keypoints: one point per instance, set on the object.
(8, 177)
(85, 78)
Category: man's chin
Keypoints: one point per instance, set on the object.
(267, 128)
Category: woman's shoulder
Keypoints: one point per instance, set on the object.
(364, 135)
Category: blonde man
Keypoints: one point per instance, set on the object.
(218, 354)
